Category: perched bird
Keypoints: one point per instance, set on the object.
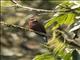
(37, 27)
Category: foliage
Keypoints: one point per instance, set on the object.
(6, 3)
(64, 16)
(46, 56)
(67, 19)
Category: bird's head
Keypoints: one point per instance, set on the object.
(33, 18)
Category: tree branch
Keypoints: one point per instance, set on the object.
(31, 9)
(68, 38)
(23, 28)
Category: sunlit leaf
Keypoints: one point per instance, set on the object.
(67, 19)
(6, 3)
(55, 27)
(70, 19)
(67, 56)
(44, 57)
(50, 22)
(60, 19)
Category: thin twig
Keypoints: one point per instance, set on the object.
(75, 28)
(23, 28)
(67, 37)
(30, 8)
(12, 25)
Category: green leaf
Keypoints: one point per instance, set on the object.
(70, 19)
(67, 19)
(51, 21)
(75, 55)
(67, 56)
(55, 27)
(78, 10)
(60, 20)
(6, 3)
(44, 57)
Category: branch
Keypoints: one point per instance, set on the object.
(23, 28)
(75, 28)
(31, 9)
(68, 38)
(12, 25)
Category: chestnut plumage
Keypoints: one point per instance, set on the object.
(37, 26)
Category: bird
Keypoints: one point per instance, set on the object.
(37, 27)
